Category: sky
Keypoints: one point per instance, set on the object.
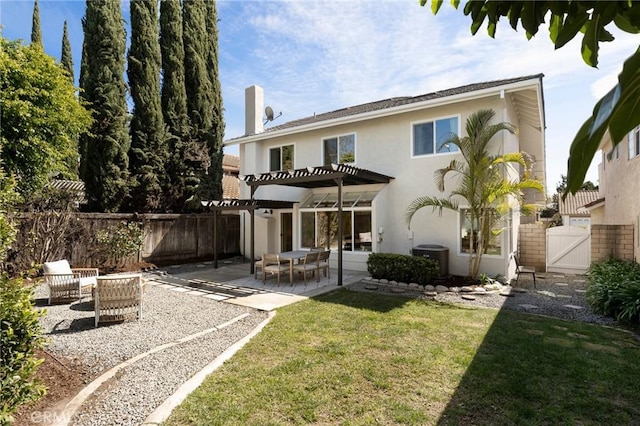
(317, 56)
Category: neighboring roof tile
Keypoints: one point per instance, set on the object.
(395, 102)
(230, 187)
(231, 160)
(574, 202)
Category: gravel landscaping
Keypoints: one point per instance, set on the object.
(138, 389)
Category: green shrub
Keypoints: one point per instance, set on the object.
(614, 289)
(402, 268)
(115, 244)
(20, 337)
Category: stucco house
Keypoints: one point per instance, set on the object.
(572, 207)
(619, 197)
(383, 155)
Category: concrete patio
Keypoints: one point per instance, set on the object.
(232, 282)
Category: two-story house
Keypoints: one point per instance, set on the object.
(382, 155)
(619, 173)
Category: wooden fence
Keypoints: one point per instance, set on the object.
(168, 238)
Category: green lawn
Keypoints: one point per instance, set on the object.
(356, 358)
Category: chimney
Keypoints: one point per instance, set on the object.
(254, 104)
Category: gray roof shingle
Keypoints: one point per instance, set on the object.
(396, 102)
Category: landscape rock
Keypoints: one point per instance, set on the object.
(441, 289)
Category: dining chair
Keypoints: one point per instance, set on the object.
(271, 264)
(257, 265)
(308, 264)
(323, 263)
(521, 269)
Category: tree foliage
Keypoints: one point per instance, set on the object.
(104, 148)
(484, 184)
(41, 117)
(181, 166)
(66, 59)
(618, 112)
(36, 32)
(148, 153)
(215, 143)
(200, 91)
(20, 338)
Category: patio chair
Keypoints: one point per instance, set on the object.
(66, 283)
(118, 297)
(323, 263)
(257, 265)
(308, 264)
(271, 264)
(520, 269)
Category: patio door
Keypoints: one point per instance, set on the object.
(286, 231)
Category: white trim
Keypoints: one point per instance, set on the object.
(533, 83)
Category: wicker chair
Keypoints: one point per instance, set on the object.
(66, 283)
(308, 264)
(271, 264)
(323, 263)
(118, 297)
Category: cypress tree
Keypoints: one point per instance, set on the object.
(105, 169)
(217, 129)
(181, 165)
(148, 152)
(66, 60)
(200, 104)
(36, 32)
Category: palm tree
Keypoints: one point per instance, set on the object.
(484, 184)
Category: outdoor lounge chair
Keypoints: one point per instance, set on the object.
(271, 264)
(308, 264)
(118, 297)
(520, 269)
(66, 283)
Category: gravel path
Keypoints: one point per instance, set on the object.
(560, 296)
(167, 316)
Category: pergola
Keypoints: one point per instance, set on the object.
(337, 175)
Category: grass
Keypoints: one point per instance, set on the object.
(357, 359)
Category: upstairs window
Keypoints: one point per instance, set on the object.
(430, 137)
(281, 158)
(339, 149)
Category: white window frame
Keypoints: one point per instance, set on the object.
(634, 143)
(279, 147)
(432, 120)
(460, 253)
(338, 136)
(351, 210)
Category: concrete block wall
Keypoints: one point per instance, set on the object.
(532, 245)
(612, 241)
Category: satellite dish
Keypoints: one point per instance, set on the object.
(268, 111)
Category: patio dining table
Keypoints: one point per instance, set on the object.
(292, 256)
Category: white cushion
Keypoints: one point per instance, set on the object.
(58, 267)
(84, 281)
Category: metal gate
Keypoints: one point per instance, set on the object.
(568, 249)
